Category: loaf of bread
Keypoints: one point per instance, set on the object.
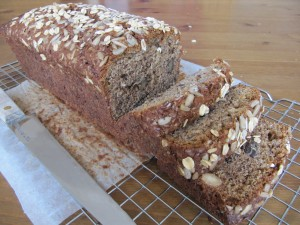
(217, 135)
(234, 189)
(101, 62)
(121, 73)
(70, 49)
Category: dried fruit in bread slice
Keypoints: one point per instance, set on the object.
(220, 133)
(235, 188)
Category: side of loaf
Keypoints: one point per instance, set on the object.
(234, 189)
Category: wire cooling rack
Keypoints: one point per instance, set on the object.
(149, 197)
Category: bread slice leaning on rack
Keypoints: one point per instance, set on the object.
(213, 137)
(235, 188)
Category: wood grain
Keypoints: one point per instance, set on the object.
(259, 38)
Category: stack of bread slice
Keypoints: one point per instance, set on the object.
(121, 72)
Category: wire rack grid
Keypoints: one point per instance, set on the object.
(149, 197)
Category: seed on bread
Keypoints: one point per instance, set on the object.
(224, 90)
(43, 57)
(259, 204)
(212, 150)
(205, 157)
(251, 124)
(246, 209)
(203, 110)
(257, 140)
(214, 132)
(237, 128)
(254, 103)
(231, 134)
(189, 100)
(249, 114)
(211, 179)
(185, 122)
(183, 107)
(225, 149)
(213, 157)
(205, 163)
(213, 164)
(267, 187)
(256, 110)
(264, 194)
(195, 176)
(230, 208)
(187, 173)
(188, 163)
(233, 146)
(244, 134)
(275, 179)
(100, 55)
(280, 170)
(243, 122)
(164, 121)
(180, 170)
(143, 45)
(288, 147)
(194, 89)
(104, 61)
(118, 51)
(88, 80)
(238, 209)
(164, 143)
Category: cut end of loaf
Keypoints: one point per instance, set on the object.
(134, 78)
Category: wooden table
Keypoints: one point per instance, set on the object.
(259, 38)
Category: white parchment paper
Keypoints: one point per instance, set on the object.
(42, 198)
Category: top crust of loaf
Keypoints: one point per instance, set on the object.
(61, 31)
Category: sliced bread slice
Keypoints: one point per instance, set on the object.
(185, 101)
(218, 134)
(235, 188)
